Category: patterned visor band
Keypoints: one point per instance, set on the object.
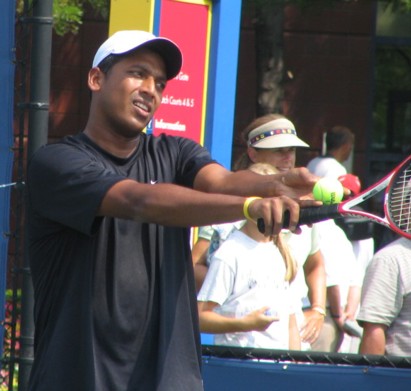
(270, 133)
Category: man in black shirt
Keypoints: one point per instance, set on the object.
(109, 216)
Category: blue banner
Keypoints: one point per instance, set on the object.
(7, 68)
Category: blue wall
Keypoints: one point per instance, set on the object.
(248, 375)
(221, 99)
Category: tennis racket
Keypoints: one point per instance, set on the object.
(397, 204)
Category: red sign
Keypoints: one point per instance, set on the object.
(182, 110)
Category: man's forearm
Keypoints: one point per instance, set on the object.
(297, 183)
(169, 204)
(173, 205)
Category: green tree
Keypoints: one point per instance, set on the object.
(68, 14)
(399, 5)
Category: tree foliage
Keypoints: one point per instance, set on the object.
(68, 14)
(399, 5)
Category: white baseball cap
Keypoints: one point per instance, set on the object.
(278, 133)
(125, 41)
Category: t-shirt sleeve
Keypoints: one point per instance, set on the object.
(192, 158)
(67, 187)
(381, 297)
(205, 232)
(219, 282)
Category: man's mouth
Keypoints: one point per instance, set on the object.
(142, 106)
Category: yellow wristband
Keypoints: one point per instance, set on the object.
(247, 204)
(320, 310)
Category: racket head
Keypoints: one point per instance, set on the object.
(397, 203)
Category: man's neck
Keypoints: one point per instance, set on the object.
(114, 144)
(337, 155)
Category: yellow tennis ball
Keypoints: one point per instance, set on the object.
(329, 191)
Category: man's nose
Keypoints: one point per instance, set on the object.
(149, 84)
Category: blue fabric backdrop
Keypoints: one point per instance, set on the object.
(7, 67)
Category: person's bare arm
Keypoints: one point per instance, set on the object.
(211, 322)
(314, 273)
(173, 205)
(199, 255)
(167, 204)
(353, 301)
(199, 251)
(334, 301)
(373, 338)
(296, 183)
(315, 279)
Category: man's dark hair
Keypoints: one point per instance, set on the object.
(338, 136)
(109, 62)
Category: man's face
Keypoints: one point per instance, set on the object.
(131, 92)
(281, 158)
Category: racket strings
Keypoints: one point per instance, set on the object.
(399, 202)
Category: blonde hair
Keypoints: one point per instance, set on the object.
(278, 240)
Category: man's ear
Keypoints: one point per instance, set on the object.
(95, 77)
(346, 150)
(252, 154)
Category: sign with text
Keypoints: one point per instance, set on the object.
(182, 111)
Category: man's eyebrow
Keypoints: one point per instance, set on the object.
(145, 68)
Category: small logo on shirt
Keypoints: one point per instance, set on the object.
(153, 182)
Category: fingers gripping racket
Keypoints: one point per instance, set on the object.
(397, 204)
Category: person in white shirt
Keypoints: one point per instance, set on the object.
(273, 139)
(246, 298)
(339, 142)
(385, 310)
(342, 269)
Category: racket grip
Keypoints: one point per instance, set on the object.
(308, 215)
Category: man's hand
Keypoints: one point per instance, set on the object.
(297, 183)
(272, 210)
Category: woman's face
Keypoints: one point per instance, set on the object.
(281, 158)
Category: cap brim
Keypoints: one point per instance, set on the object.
(280, 141)
(128, 41)
(169, 52)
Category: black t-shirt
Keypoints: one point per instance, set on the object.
(115, 305)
